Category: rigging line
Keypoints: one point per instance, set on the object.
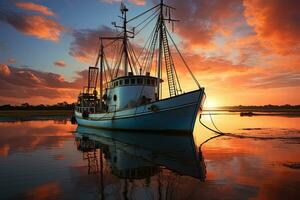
(129, 62)
(132, 54)
(152, 32)
(143, 13)
(153, 46)
(112, 42)
(98, 55)
(146, 53)
(137, 61)
(104, 71)
(108, 67)
(186, 65)
(131, 57)
(105, 75)
(115, 53)
(118, 62)
(146, 46)
(118, 66)
(107, 45)
(147, 18)
(151, 19)
(152, 50)
(145, 58)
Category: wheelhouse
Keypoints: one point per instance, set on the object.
(130, 91)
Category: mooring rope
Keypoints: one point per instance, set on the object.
(238, 135)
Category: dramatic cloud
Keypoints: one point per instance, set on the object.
(277, 23)
(20, 84)
(35, 7)
(200, 21)
(60, 63)
(86, 43)
(33, 25)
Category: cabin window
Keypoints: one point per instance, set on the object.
(132, 81)
(115, 97)
(148, 81)
(121, 82)
(152, 82)
(126, 81)
(117, 83)
(139, 81)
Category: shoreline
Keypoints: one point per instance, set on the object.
(20, 115)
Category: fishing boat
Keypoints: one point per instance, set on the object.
(132, 93)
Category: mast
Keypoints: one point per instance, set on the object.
(101, 73)
(160, 51)
(125, 36)
(125, 48)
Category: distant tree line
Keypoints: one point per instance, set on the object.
(264, 107)
(27, 106)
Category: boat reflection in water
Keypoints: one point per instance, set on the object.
(156, 160)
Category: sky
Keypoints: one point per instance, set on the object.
(244, 52)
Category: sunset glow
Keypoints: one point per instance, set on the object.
(243, 52)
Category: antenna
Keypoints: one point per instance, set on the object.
(123, 8)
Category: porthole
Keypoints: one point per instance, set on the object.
(115, 97)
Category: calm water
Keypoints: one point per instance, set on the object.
(55, 160)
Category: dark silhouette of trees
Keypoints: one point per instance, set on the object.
(27, 106)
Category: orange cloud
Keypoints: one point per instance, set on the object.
(60, 63)
(86, 43)
(276, 23)
(35, 7)
(200, 21)
(33, 25)
(19, 85)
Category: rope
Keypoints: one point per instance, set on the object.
(183, 60)
(220, 133)
(151, 17)
(215, 131)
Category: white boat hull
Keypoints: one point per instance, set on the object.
(172, 114)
